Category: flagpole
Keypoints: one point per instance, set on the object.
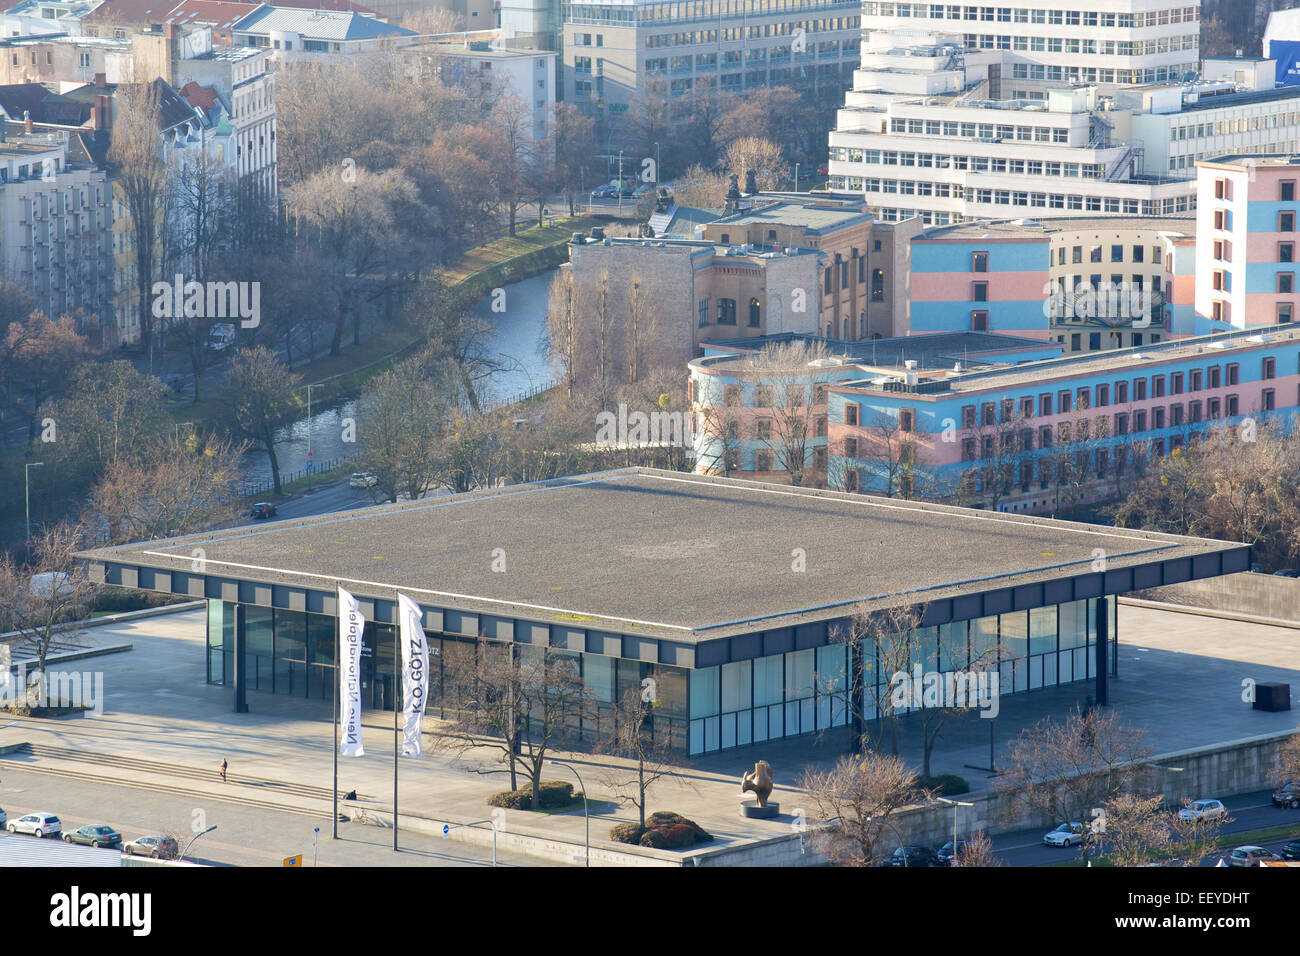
(397, 710)
(338, 675)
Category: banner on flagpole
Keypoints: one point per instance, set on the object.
(415, 673)
(352, 626)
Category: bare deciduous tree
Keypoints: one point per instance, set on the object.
(515, 699)
(141, 180)
(976, 851)
(630, 735)
(46, 595)
(1069, 770)
(779, 375)
(856, 800)
(400, 419)
(182, 484)
(261, 400)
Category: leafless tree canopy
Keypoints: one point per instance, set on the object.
(40, 596)
(856, 801)
(1069, 770)
(515, 699)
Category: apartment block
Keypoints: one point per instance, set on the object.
(988, 420)
(1245, 265)
(480, 57)
(963, 112)
(55, 223)
(612, 48)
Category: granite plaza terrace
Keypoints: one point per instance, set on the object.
(691, 580)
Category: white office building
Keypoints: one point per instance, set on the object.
(963, 112)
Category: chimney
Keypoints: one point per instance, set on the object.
(100, 80)
(27, 121)
(105, 111)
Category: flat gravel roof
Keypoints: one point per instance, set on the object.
(681, 557)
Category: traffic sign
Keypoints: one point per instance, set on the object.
(446, 831)
(293, 860)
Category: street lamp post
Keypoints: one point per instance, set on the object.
(620, 180)
(586, 817)
(955, 805)
(27, 498)
(309, 458)
(796, 177)
(656, 169)
(196, 836)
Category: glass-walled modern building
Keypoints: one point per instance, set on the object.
(703, 709)
(686, 581)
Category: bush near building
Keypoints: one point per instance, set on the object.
(552, 794)
(663, 831)
(946, 784)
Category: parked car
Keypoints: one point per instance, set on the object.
(157, 846)
(605, 192)
(95, 834)
(949, 850)
(221, 337)
(263, 509)
(1203, 810)
(643, 190)
(910, 856)
(3, 817)
(1250, 856)
(37, 824)
(1287, 795)
(1067, 834)
(362, 479)
(1291, 851)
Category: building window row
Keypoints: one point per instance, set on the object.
(1000, 14)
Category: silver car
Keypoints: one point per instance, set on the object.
(37, 824)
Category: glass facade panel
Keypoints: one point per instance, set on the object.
(704, 692)
(321, 636)
(1042, 630)
(598, 672)
(1072, 627)
(953, 654)
(769, 680)
(799, 674)
(736, 686)
(290, 652)
(984, 642)
(259, 636)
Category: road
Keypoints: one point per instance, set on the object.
(1250, 811)
(244, 836)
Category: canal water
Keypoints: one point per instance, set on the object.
(517, 340)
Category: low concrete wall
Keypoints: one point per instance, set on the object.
(787, 849)
(1222, 770)
(1257, 595)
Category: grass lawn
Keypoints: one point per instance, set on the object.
(526, 240)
